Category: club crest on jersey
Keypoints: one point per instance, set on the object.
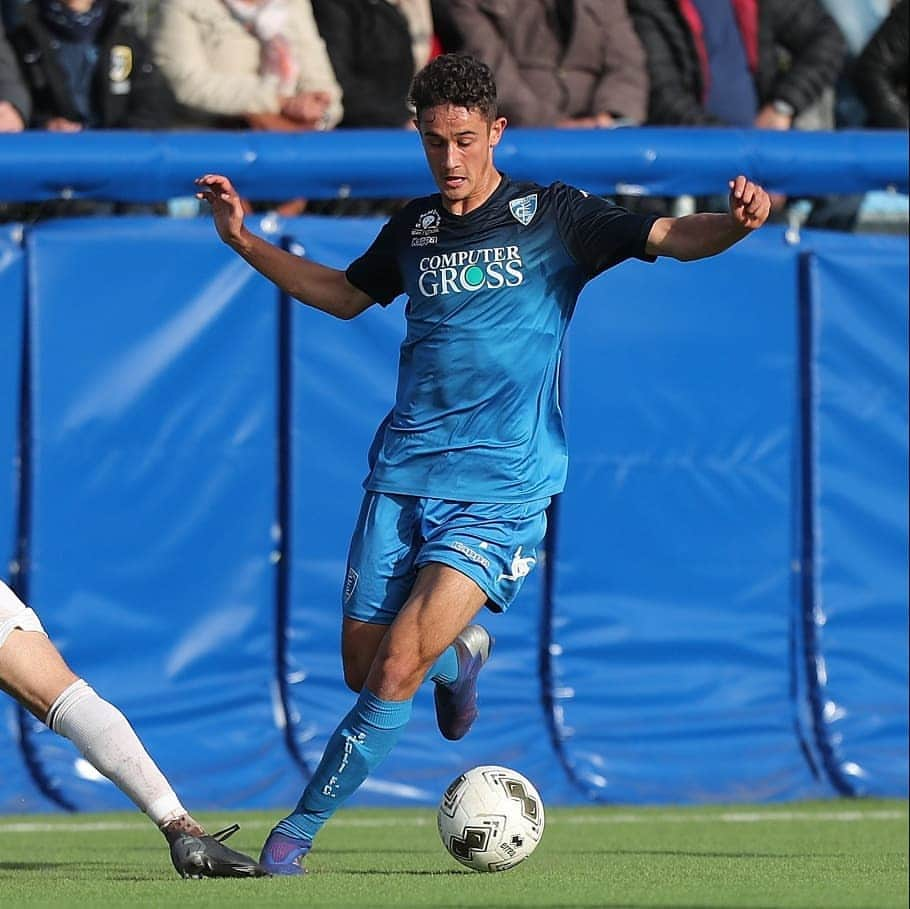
(524, 209)
(425, 230)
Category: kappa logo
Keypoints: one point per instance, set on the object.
(425, 230)
(350, 583)
(471, 554)
(524, 209)
(521, 566)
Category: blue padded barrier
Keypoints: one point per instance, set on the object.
(673, 594)
(12, 316)
(342, 376)
(18, 792)
(97, 164)
(153, 506)
(196, 475)
(859, 580)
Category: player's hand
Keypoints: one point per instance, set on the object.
(750, 204)
(227, 206)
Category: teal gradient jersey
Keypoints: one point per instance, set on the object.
(490, 296)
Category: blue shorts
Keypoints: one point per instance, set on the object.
(495, 545)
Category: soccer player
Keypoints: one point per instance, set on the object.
(35, 674)
(463, 467)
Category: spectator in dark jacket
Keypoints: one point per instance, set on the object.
(558, 62)
(15, 103)
(372, 45)
(880, 74)
(86, 68)
(736, 62)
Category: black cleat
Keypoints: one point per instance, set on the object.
(207, 856)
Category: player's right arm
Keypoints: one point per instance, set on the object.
(309, 282)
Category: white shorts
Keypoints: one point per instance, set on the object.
(15, 614)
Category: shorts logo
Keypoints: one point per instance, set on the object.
(521, 566)
(471, 554)
(524, 209)
(350, 583)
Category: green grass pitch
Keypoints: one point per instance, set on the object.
(822, 855)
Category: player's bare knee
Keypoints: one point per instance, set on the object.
(397, 677)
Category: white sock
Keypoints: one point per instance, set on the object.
(107, 741)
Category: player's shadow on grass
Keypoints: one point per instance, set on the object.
(384, 872)
(688, 853)
(359, 852)
(38, 866)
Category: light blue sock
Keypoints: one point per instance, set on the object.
(359, 744)
(445, 670)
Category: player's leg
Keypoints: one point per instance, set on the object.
(380, 574)
(35, 674)
(442, 602)
(360, 641)
(496, 546)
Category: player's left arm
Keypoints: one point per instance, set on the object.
(707, 234)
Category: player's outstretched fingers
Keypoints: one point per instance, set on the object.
(737, 186)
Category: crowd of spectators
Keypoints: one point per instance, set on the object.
(294, 65)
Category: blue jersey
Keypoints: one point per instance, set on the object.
(490, 295)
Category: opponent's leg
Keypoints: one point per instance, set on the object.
(441, 604)
(35, 674)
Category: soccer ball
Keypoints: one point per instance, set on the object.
(490, 818)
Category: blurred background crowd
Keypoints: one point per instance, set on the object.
(295, 65)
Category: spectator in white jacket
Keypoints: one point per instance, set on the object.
(247, 63)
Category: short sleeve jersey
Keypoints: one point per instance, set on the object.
(489, 297)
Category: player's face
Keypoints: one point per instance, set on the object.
(459, 144)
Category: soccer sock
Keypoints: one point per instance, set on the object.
(445, 670)
(106, 740)
(359, 744)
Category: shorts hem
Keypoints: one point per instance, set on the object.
(372, 621)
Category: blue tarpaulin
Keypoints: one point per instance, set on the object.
(196, 452)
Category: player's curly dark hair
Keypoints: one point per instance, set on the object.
(457, 79)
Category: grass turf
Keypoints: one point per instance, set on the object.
(819, 855)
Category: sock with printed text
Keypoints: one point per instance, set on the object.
(359, 744)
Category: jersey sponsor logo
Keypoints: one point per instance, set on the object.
(491, 268)
(470, 553)
(521, 566)
(424, 232)
(524, 209)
